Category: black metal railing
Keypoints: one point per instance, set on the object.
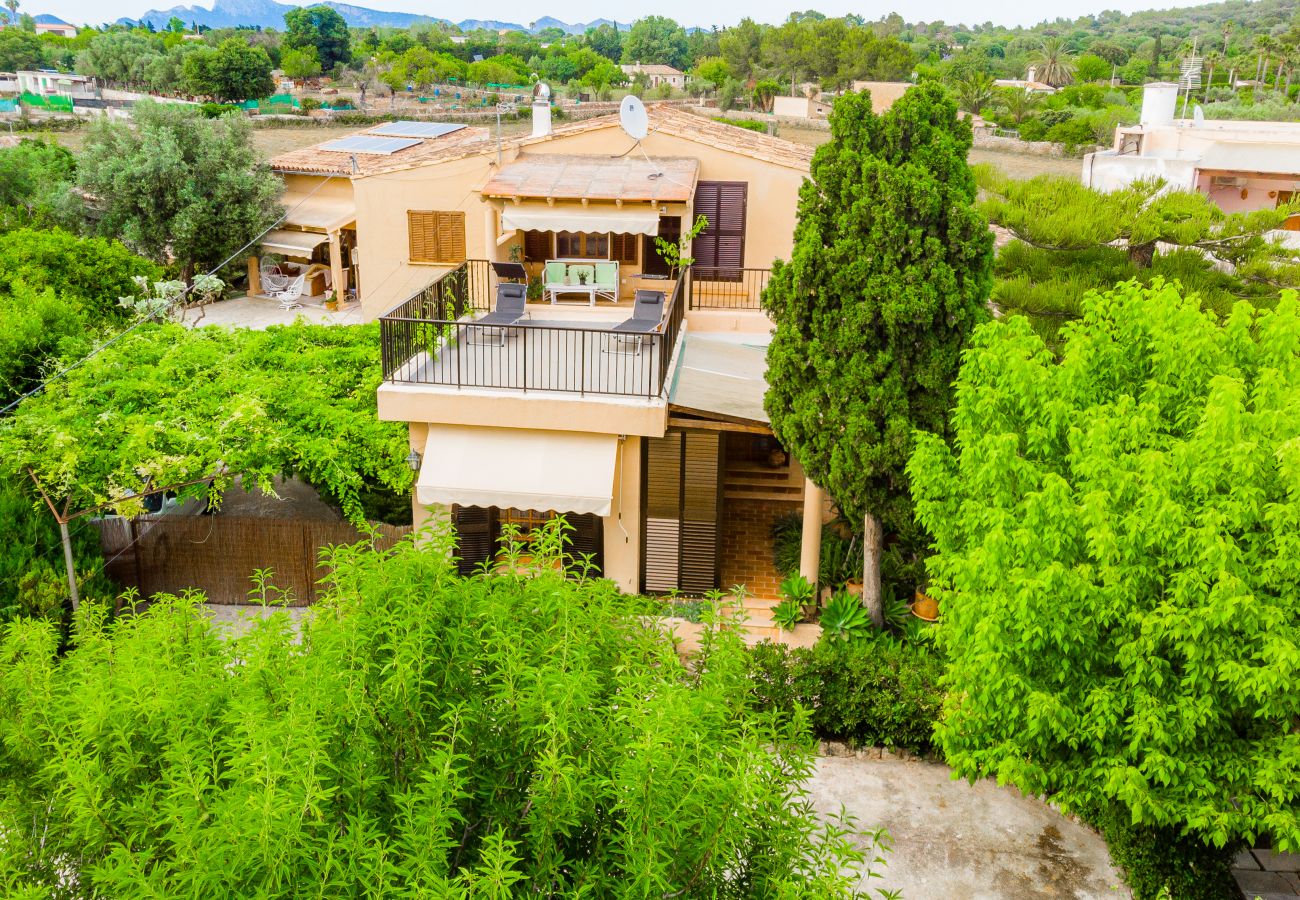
(411, 327)
(712, 287)
(424, 341)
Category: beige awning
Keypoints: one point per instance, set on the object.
(297, 244)
(546, 218)
(316, 211)
(1265, 159)
(564, 471)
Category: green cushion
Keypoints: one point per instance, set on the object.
(555, 272)
(607, 274)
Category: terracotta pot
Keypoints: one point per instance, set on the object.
(925, 607)
(853, 588)
(777, 458)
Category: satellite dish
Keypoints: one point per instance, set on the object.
(542, 92)
(633, 118)
(1198, 115)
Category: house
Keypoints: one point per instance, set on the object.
(1240, 165)
(49, 83)
(883, 93)
(801, 108)
(657, 75)
(653, 443)
(62, 29)
(1030, 83)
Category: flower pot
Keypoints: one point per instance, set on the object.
(853, 588)
(925, 608)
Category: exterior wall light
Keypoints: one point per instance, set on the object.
(413, 459)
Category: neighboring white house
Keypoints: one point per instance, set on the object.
(47, 83)
(63, 29)
(800, 108)
(1241, 165)
(884, 94)
(658, 74)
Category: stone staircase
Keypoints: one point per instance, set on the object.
(754, 481)
(754, 616)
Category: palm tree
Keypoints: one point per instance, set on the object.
(1228, 25)
(1054, 63)
(12, 6)
(1264, 46)
(1211, 60)
(974, 91)
(1018, 104)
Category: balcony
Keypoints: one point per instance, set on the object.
(433, 339)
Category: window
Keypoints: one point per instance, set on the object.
(719, 250)
(572, 245)
(622, 247)
(1285, 197)
(670, 229)
(538, 246)
(436, 237)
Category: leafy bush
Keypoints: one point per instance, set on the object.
(788, 613)
(844, 617)
(34, 179)
(217, 110)
(1163, 863)
(426, 735)
(874, 690)
(749, 124)
(95, 270)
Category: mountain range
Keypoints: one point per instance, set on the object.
(270, 14)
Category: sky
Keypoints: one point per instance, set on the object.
(688, 12)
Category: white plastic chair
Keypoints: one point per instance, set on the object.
(288, 298)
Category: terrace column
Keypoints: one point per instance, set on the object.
(810, 547)
(336, 267)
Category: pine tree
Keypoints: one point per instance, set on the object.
(889, 275)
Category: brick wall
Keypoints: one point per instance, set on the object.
(746, 545)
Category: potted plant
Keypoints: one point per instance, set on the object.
(925, 607)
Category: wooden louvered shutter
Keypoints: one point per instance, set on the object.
(476, 531)
(663, 509)
(437, 237)
(670, 229)
(537, 246)
(681, 524)
(622, 247)
(587, 540)
(699, 558)
(719, 250)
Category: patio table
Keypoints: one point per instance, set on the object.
(556, 289)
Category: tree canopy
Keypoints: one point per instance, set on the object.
(428, 735)
(34, 178)
(1116, 535)
(231, 71)
(169, 404)
(320, 27)
(889, 275)
(176, 185)
(656, 39)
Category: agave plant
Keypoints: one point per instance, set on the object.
(845, 617)
(787, 614)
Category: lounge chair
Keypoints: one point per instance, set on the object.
(607, 280)
(647, 315)
(511, 309)
(289, 297)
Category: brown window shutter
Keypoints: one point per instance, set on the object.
(719, 250)
(681, 512)
(622, 247)
(670, 229)
(537, 246)
(662, 511)
(699, 565)
(586, 542)
(476, 533)
(437, 237)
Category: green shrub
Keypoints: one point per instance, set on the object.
(217, 110)
(1074, 133)
(1162, 863)
(874, 690)
(750, 124)
(421, 735)
(95, 270)
(309, 103)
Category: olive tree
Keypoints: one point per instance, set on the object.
(1116, 535)
(889, 275)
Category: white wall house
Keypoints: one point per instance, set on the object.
(657, 74)
(47, 83)
(1241, 165)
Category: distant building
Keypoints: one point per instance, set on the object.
(1030, 83)
(800, 108)
(47, 83)
(883, 93)
(63, 29)
(1241, 165)
(657, 74)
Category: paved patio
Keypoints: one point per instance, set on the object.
(1268, 875)
(260, 313)
(961, 841)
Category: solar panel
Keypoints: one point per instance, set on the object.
(360, 143)
(416, 129)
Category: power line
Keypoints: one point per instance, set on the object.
(153, 315)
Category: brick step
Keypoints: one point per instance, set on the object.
(733, 493)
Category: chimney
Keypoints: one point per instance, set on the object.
(1159, 102)
(541, 110)
(1032, 74)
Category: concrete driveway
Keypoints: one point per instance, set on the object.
(957, 841)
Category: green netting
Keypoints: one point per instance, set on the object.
(279, 100)
(8, 106)
(248, 104)
(57, 103)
